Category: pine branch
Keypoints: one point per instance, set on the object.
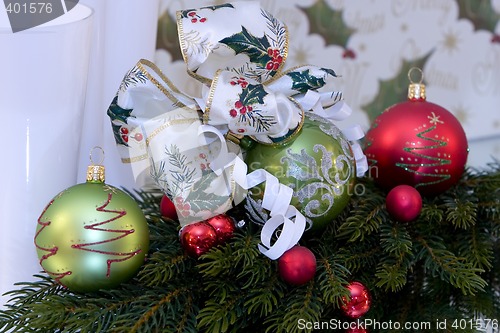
(457, 271)
(476, 246)
(396, 240)
(460, 214)
(444, 265)
(302, 305)
(332, 279)
(263, 301)
(221, 316)
(365, 220)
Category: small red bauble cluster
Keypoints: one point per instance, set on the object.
(198, 238)
(297, 266)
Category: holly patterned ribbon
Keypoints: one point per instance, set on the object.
(237, 51)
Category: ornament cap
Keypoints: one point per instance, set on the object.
(416, 90)
(96, 172)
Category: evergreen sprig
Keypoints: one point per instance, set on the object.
(443, 265)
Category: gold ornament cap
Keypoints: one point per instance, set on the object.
(416, 90)
(95, 172)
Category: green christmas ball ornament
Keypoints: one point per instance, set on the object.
(92, 235)
(318, 164)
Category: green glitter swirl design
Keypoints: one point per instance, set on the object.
(437, 161)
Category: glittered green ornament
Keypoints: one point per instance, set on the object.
(318, 164)
(92, 235)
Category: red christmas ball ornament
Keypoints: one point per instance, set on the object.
(198, 238)
(167, 208)
(297, 266)
(404, 203)
(224, 227)
(359, 302)
(416, 143)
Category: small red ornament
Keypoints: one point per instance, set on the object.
(198, 238)
(417, 143)
(359, 303)
(167, 208)
(224, 227)
(297, 266)
(404, 203)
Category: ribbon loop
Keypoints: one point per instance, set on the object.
(239, 36)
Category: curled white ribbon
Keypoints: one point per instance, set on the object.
(277, 198)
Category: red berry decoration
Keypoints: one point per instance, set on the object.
(167, 208)
(224, 227)
(297, 266)
(417, 143)
(404, 203)
(359, 302)
(198, 238)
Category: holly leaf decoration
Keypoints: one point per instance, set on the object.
(185, 12)
(254, 47)
(118, 118)
(480, 13)
(393, 91)
(304, 81)
(329, 71)
(253, 94)
(200, 199)
(328, 23)
(225, 5)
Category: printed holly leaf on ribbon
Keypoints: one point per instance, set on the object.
(255, 47)
(118, 118)
(225, 5)
(253, 94)
(200, 197)
(185, 13)
(329, 71)
(304, 81)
